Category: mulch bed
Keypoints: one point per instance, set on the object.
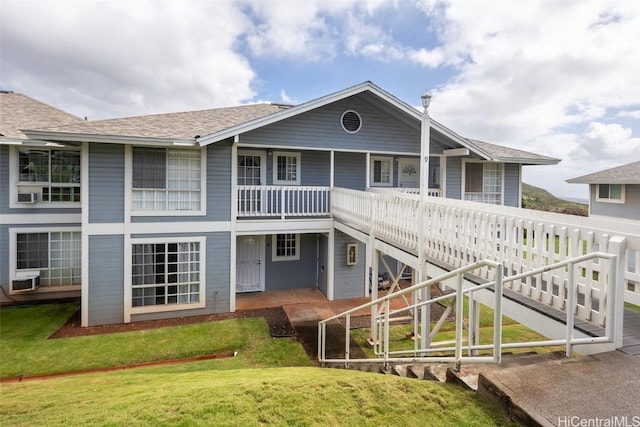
(279, 325)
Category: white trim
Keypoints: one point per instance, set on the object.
(232, 226)
(443, 176)
(483, 162)
(367, 170)
(14, 183)
(262, 246)
(617, 201)
(338, 149)
(202, 240)
(519, 185)
(284, 226)
(374, 159)
(274, 167)
(278, 258)
(84, 244)
(455, 152)
(41, 218)
(126, 230)
(330, 265)
(332, 168)
(163, 228)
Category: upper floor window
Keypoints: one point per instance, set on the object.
(166, 179)
(483, 182)
(381, 172)
(286, 168)
(611, 193)
(46, 175)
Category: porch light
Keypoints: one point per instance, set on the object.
(426, 99)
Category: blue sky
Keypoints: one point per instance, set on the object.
(555, 77)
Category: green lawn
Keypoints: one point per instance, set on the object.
(270, 382)
(25, 349)
(276, 396)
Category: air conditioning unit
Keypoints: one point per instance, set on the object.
(28, 197)
(26, 282)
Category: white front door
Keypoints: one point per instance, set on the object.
(250, 264)
(409, 173)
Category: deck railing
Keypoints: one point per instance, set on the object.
(459, 233)
(283, 201)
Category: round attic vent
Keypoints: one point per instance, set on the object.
(351, 121)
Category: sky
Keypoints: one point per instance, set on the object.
(559, 78)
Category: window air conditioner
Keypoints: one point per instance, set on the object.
(26, 282)
(27, 197)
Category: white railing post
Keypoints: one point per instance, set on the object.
(282, 202)
(571, 306)
(497, 315)
(615, 290)
(459, 320)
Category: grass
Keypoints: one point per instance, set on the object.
(632, 307)
(281, 396)
(25, 349)
(214, 392)
(512, 332)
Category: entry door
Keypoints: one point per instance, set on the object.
(249, 264)
(409, 173)
(251, 171)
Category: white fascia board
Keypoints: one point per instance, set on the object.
(528, 161)
(109, 139)
(308, 106)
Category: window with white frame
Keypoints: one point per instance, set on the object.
(483, 182)
(56, 174)
(166, 179)
(285, 247)
(56, 255)
(286, 168)
(165, 274)
(381, 171)
(610, 193)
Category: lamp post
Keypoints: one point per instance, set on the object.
(425, 312)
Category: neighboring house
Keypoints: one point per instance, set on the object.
(614, 193)
(180, 212)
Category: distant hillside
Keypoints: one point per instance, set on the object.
(542, 200)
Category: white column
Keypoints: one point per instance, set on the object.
(84, 198)
(332, 166)
(424, 191)
(234, 219)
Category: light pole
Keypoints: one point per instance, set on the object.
(425, 313)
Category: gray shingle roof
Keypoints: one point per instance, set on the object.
(625, 174)
(502, 153)
(184, 125)
(18, 112)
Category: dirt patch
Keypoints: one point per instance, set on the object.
(276, 318)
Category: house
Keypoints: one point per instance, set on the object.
(178, 213)
(614, 193)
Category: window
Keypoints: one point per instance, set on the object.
(286, 168)
(56, 172)
(165, 274)
(56, 255)
(483, 182)
(381, 171)
(166, 179)
(285, 247)
(611, 193)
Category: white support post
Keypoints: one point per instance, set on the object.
(615, 292)
(234, 220)
(424, 192)
(332, 168)
(84, 198)
(368, 170)
(330, 264)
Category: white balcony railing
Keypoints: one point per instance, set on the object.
(459, 233)
(432, 192)
(282, 201)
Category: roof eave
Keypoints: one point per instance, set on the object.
(528, 161)
(108, 139)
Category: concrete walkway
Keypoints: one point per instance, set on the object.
(565, 392)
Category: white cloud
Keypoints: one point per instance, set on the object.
(635, 114)
(284, 98)
(114, 58)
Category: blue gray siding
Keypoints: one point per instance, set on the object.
(106, 280)
(350, 170)
(218, 278)
(348, 280)
(454, 178)
(297, 274)
(4, 179)
(106, 183)
(315, 167)
(323, 265)
(4, 257)
(511, 185)
(630, 209)
(320, 128)
(219, 182)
